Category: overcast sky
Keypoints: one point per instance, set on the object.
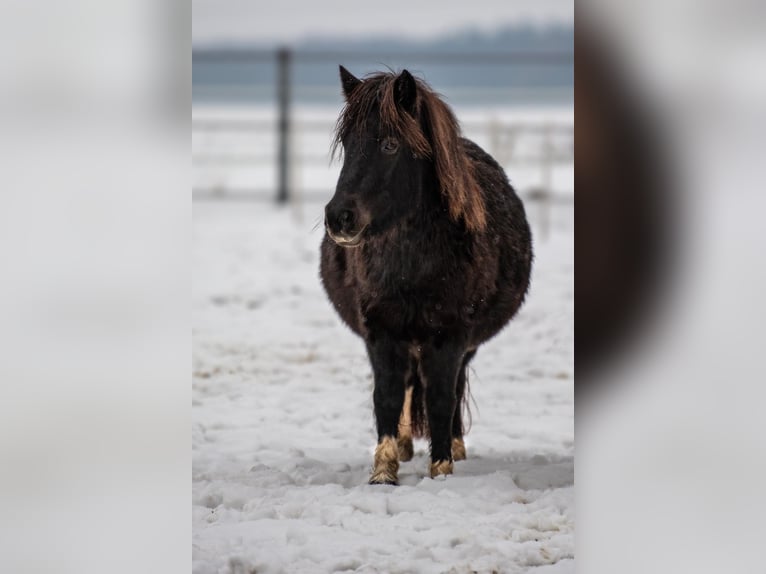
(290, 20)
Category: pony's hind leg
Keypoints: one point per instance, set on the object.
(458, 428)
(404, 436)
(406, 430)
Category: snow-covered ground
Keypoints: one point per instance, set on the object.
(283, 430)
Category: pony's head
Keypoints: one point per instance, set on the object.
(400, 143)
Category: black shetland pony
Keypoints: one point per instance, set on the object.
(427, 255)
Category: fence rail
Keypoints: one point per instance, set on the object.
(507, 141)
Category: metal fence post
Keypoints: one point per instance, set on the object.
(283, 123)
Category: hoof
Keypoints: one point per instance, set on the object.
(441, 467)
(405, 448)
(458, 449)
(374, 480)
(384, 476)
(386, 466)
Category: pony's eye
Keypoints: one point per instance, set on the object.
(389, 146)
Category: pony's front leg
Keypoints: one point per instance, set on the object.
(439, 371)
(389, 360)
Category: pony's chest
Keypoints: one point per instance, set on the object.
(417, 294)
(405, 271)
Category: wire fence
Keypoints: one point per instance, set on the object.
(250, 140)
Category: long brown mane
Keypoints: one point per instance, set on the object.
(430, 131)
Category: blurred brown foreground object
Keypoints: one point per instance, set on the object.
(623, 211)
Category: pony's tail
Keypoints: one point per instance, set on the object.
(466, 418)
(418, 414)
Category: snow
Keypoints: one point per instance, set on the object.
(283, 431)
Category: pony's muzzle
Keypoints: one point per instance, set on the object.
(345, 239)
(339, 221)
(343, 226)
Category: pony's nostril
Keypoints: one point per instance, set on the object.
(346, 218)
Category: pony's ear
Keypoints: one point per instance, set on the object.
(348, 81)
(405, 91)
